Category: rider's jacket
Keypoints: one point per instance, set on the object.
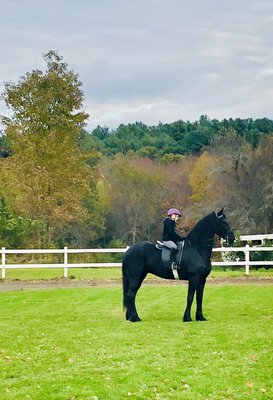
(170, 231)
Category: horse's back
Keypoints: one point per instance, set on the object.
(137, 251)
(142, 258)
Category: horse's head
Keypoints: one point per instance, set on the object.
(222, 228)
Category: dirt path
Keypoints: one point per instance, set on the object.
(62, 283)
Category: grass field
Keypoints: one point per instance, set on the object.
(75, 344)
(112, 273)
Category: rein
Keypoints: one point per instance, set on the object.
(202, 243)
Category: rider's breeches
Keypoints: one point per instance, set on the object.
(170, 244)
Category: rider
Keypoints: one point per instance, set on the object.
(170, 236)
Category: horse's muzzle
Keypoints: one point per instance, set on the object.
(230, 237)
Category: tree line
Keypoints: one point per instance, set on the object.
(62, 185)
(166, 141)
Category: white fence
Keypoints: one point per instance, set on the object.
(65, 265)
(246, 263)
(66, 251)
(257, 238)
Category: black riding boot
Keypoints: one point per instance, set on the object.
(173, 259)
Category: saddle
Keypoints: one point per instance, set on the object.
(166, 254)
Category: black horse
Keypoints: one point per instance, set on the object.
(144, 257)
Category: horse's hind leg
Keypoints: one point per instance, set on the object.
(131, 312)
(130, 299)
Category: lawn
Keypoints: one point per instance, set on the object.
(113, 273)
(75, 344)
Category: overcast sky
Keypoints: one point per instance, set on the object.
(149, 60)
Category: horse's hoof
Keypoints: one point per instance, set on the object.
(131, 319)
(187, 319)
(201, 318)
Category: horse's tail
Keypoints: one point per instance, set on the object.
(125, 283)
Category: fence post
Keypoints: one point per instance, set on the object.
(65, 262)
(3, 263)
(247, 259)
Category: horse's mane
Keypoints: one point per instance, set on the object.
(201, 228)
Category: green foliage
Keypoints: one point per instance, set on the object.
(253, 255)
(233, 256)
(14, 231)
(178, 137)
(4, 147)
(263, 255)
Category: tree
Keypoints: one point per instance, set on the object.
(258, 187)
(46, 177)
(135, 189)
(231, 154)
(14, 232)
(199, 179)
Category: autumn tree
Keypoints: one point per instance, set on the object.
(135, 189)
(46, 177)
(205, 194)
(232, 155)
(199, 179)
(177, 189)
(257, 188)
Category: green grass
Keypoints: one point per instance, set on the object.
(75, 344)
(112, 273)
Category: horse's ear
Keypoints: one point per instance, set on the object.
(220, 214)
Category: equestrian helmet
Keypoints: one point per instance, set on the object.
(175, 211)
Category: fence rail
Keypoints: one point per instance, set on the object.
(247, 263)
(247, 249)
(65, 265)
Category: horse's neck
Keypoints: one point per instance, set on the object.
(202, 234)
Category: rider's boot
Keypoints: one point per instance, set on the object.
(173, 259)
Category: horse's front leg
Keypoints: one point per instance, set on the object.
(199, 299)
(193, 282)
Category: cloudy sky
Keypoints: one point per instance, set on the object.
(149, 60)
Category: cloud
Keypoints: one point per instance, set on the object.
(150, 60)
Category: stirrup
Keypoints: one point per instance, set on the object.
(174, 269)
(174, 265)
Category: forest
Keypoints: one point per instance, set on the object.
(61, 185)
